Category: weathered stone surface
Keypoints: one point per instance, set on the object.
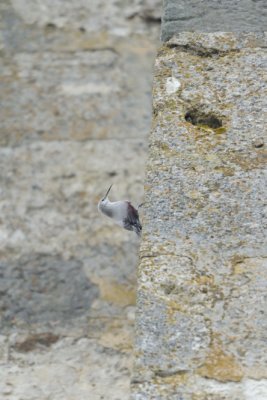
(75, 111)
(71, 368)
(201, 318)
(66, 271)
(48, 289)
(73, 84)
(212, 16)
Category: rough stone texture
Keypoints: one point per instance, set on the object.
(82, 69)
(201, 318)
(212, 16)
(75, 112)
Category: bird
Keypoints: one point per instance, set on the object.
(122, 212)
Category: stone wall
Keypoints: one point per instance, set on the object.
(201, 315)
(75, 113)
(212, 16)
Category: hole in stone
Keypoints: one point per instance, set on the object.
(151, 19)
(51, 26)
(258, 143)
(199, 118)
(168, 288)
(112, 173)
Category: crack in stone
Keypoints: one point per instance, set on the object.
(167, 373)
(201, 51)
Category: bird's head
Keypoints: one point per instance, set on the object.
(104, 200)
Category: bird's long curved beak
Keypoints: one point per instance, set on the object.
(108, 192)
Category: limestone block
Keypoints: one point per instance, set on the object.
(213, 16)
(75, 112)
(201, 318)
(68, 75)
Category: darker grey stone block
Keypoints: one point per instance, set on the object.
(213, 16)
(43, 289)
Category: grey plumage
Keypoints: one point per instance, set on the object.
(122, 212)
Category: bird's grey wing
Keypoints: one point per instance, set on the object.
(131, 222)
